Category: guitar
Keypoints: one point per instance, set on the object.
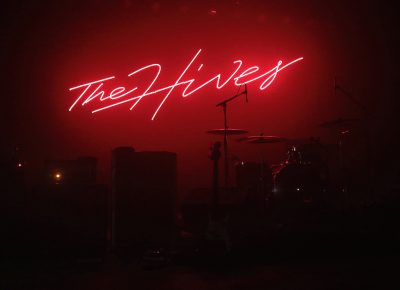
(217, 231)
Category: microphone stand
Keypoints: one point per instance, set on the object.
(224, 104)
(351, 98)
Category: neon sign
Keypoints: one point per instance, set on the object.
(120, 95)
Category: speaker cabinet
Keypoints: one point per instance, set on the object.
(144, 186)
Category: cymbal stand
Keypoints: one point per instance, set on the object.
(344, 186)
(262, 181)
(368, 117)
(224, 104)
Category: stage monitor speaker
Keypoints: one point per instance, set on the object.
(144, 186)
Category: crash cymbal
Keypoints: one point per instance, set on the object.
(339, 123)
(229, 131)
(263, 139)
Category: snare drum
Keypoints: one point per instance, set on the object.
(298, 180)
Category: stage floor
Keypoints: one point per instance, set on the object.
(357, 272)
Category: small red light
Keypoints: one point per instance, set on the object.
(57, 176)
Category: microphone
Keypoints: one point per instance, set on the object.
(245, 91)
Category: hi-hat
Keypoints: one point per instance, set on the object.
(339, 123)
(263, 139)
(228, 131)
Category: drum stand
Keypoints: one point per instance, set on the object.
(224, 104)
(368, 117)
(262, 186)
(343, 186)
(262, 182)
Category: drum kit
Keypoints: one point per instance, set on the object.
(302, 174)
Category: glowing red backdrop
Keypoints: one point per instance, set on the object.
(56, 46)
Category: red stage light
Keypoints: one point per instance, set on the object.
(116, 93)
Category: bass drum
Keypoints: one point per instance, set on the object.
(312, 153)
(302, 182)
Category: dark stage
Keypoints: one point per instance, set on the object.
(199, 144)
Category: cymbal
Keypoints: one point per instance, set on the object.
(263, 139)
(229, 131)
(339, 123)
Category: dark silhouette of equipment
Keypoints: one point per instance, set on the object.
(69, 210)
(70, 219)
(144, 186)
(217, 230)
(79, 171)
(12, 201)
(227, 131)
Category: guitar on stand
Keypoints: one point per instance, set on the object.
(217, 232)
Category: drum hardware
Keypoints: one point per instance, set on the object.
(355, 101)
(298, 181)
(264, 174)
(307, 151)
(225, 131)
(368, 117)
(217, 224)
(301, 176)
(342, 128)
